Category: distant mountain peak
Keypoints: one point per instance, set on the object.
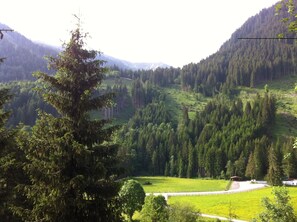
(25, 57)
(124, 64)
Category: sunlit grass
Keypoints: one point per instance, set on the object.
(283, 90)
(173, 184)
(177, 98)
(245, 205)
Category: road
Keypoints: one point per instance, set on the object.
(236, 187)
(221, 218)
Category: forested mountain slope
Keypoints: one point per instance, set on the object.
(23, 57)
(219, 135)
(245, 61)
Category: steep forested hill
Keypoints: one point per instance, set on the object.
(246, 61)
(23, 57)
(197, 121)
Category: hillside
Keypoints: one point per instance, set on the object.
(210, 119)
(123, 64)
(23, 57)
(245, 62)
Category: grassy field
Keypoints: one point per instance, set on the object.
(245, 206)
(176, 99)
(283, 90)
(173, 184)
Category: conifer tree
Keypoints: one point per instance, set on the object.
(71, 161)
(190, 168)
(289, 160)
(6, 182)
(11, 172)
(274, 170)
(251, 168)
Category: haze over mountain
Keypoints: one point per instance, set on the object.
(123, 64)
(23, 57)
(237, 62)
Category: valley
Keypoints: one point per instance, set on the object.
(79, 129)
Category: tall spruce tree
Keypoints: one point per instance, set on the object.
(6, 185)
(274, 174)
(11, 172)
(71, 160)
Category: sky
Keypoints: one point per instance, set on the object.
(175, 32)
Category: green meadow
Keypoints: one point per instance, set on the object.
(286, 100)
(176, 99)
(173, 184)
(245, 205)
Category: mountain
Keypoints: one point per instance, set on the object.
(122, 64)
(248, 58)
(23, 57)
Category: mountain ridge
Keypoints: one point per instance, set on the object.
(124, 64)
(245, 62)
(23, 57)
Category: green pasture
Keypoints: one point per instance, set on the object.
(173, 184)
(176, 99)
(114, 81)
(283, 90)
(245, 205)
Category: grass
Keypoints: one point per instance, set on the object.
(125, 114)
(283, 90)
(113, 81)
(245, 205)
(176, 99)
(173, 184)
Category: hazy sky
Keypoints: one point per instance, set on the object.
(175, 32)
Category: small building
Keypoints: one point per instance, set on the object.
(235, 178)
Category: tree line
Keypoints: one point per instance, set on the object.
(248, 58)
(26, 102)
(227, 138)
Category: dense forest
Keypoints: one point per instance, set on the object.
(225, 139)
(239, 62)
(58, 138)
(156, 142)
(245, 61)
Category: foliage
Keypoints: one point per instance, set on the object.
(291, 16)
(25, 103)
(11, 172)
(246, 205)
(154, 209)
(132, 197)
(179, 212)
(280, 210)
(223, 131)
(275, 174)
(6, 161)
(70, 162)
(159, 77)
(241, 62)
